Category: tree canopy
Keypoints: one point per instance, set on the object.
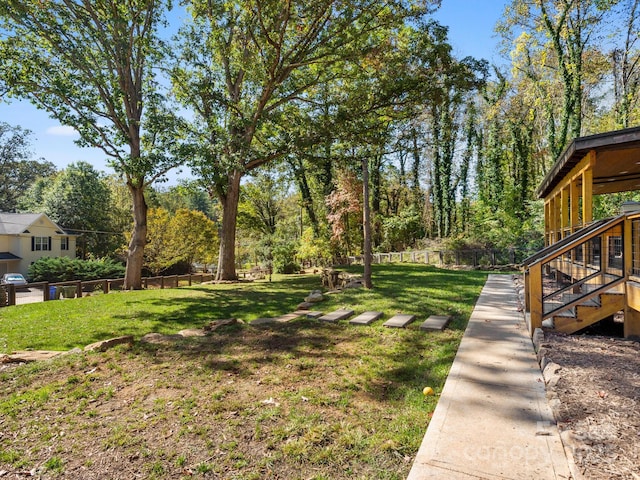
(18, 170)
(90, 65)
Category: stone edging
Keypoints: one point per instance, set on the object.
(551, 375)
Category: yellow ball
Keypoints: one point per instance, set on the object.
(428, 391)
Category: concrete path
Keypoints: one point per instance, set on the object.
(493, 420)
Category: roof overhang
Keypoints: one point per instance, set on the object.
(617, 165)
(9, 256)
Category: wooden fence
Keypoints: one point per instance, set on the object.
(77, 289)
(473, 258)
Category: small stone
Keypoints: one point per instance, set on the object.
(314, 297)
(107, 344)
(215, 324)
(157, 338)
(192, 332)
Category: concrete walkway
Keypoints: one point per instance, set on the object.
(493, 420)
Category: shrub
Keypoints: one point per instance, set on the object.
(64, 269)
(284, 258)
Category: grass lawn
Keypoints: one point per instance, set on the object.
(301, 400)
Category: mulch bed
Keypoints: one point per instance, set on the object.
(599, 403)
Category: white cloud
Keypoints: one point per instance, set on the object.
(62, 131)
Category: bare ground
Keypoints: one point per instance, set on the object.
(599, 408)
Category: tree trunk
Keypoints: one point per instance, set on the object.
(305, 192)
(227, 255)
(366, 220)
(135, 251)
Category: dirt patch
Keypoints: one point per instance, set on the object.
(301, 400)
(599, 403)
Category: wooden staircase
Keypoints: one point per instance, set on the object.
(586, 308)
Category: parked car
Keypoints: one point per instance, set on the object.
(13, 278)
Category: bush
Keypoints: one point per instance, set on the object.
(313, 248)
(64, 269)
(284, 258)
(402, 230)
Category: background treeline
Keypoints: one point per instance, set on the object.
(283, 128)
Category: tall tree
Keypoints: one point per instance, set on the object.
(625, 62)
(550, 39)
(18, 171)
(76, 200)
(89, 64)
(241, 62)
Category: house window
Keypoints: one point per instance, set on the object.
(40, 243)
(64, 243)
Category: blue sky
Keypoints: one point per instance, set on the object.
(470, 23)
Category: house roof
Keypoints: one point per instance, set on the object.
(17, 223)
(617, 166)
(9, 256)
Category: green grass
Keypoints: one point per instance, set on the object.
(65, 324)
(305, 399)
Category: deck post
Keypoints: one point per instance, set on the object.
(587, 192)
(535, 296)
(631, 323)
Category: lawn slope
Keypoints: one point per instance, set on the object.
(302, 400)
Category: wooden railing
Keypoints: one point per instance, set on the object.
(588, 256)
(77, 288)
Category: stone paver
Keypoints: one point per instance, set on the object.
(436, 322)
(400, 320)
(366, 318)
(492, 420)
(314, 314)
(262, 321)
(287, 317)
(29, 356)
(336, 316)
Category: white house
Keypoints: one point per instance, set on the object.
(27, 237)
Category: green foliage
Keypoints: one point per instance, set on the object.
(189, 195)
(609, 205)
(402, 230)
(62, 269)
(187, 236)
(261, 203)
(17, 170)
(313, 248)
(500, 229)
(284, 257)
(91, 65)
(78, 199)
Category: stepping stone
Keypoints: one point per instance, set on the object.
(262, 321)
(366, 318)
(288, 317)
(400, 320)
(436, 322)
(314, 314)
(337, 315)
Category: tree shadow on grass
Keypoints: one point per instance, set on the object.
(414, 359)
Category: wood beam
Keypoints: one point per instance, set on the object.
(587, 196)
(574, 196)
